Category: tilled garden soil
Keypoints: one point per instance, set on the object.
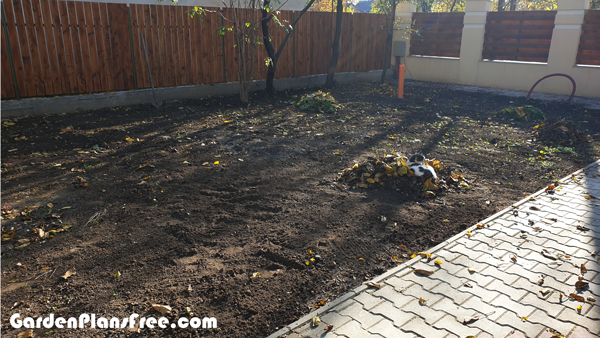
(218, 207)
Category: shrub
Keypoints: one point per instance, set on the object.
(319, 101)
(526, 113)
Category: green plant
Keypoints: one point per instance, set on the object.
(319, 101)
(526, 113)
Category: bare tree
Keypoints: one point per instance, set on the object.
(267, 15)
(336, 43)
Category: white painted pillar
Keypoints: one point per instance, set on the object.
(402, 25)
(471, 45)
(566, 35)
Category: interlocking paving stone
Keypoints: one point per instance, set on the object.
(450, 324)
(580, 332)
(353, 329)
(502, 290)
(423, 329)
(358, 313)
(524, 326)
(389, 311)
(386, 328)
(540, 317)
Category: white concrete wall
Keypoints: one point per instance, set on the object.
(470, 69)
(289, 5)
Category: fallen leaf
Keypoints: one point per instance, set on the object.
(425, 254)
(164, 309)
(26, 334)
(582, 228)
(437, 262)
(316, 321)
(577, 297)
(370, 180)
(50, 205)
(254, 275)
(560, 297)
(423, 272)
(553, 219)
(469, 233)
(469, 320)
(591, 299)
(423, 301)
(205, 164)
(402, 247)
(583, 268)
(467, 284)
(547, 254)
(361, 259)
(69, 273)
(524, 319)
(513, 257)
(579, 309)
(471, 270)
(129, 139)
(329, 327)
(118, 274)
(428, 185)
(544, 291)
(372, 285)
(581, 285)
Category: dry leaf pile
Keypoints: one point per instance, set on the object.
(392, 169)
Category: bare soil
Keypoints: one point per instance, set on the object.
(204, 194)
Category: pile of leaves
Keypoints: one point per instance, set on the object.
(560, 132)
(526, 113)
(385, 90)
(389, 168)
(318, 101)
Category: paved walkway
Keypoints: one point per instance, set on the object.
(492, 274)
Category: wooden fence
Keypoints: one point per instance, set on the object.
(520, 36)
(589, 45)
(436, 34)
(52, 47)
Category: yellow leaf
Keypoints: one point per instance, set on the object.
(524, 319)
(469, 233)
(361, 259)
(370, 180)
(50, 205)
(118, 274)
(316, 321)
(579, 309)
(425, 255)
(422, 301)
(413, 255)
(256, 274)
(216, 162)
(428, 185)
(129, 139)
(471, 270)
(438, 262)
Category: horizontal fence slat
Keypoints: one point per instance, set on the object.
(436, 34)
(589, 43)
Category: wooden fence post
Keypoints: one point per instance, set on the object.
(223, 48)
(9, 51)
(294, 46)
(135, 85)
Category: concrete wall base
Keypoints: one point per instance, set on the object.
(67, 104)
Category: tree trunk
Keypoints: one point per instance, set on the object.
(453, 4)
(500, 5)
(269, 46)
(336, 43)
(513, 5)
(388, 42)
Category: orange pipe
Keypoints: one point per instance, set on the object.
(401, 82)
